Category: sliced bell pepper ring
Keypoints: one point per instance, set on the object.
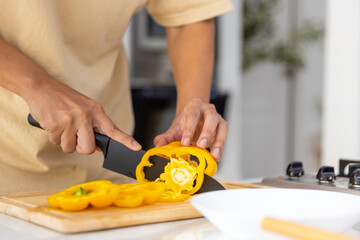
(200, 169)
(76, 198)
(130, 197)
(69, 202)
(103, 196)
(171, 197)
(211, 165)
(176, 151)
(159, 151)
(179, 176)
(53, 200)
(152, 191)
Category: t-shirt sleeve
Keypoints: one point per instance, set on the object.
(171, 13)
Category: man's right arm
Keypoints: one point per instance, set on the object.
(68, 116)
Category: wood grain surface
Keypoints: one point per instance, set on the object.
(32, 207)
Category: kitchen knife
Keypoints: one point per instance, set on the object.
(120, 159)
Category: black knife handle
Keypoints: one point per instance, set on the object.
(101, 140)
(33, 122)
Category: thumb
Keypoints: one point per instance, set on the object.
(160, 140)
(165, 138)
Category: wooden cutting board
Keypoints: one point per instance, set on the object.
(32, 207)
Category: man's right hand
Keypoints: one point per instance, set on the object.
(68, 116)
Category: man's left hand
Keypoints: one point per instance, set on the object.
(198, 123)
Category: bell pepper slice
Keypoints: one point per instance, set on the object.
(159, 151)
(152, 191)
(206, 164)
(211, 165)
(182, 177)
(130, 197)
(171, 197)
(181, 151)
(179, 175)
(99, 194)
(103, 196)
(136, 194)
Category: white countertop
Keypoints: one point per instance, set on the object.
(200, 228)
(192, 229)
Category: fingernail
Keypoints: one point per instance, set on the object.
(185, 142)
(203, 143)
(136, 145)
(216, 153)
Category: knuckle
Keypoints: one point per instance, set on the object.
(172, 132)
(96, 106)
(84, 113)
(113, 129)
(193, 116)
(209, 113)
(51, 126)
(67, 119)
(85, 117)
(214, 116)
(211, 107)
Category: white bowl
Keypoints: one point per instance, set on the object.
(239, 212)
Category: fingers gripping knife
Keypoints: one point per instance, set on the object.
(120, 159)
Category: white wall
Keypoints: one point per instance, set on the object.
(264, 111)
(270, 139)
(342, 82)
(309, 92)
(229, 80)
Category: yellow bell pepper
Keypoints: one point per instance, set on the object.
(171, 197)
(136, 194)
(130, 197)
(159, 151)
(99, 194)
(153, 191)
(181, 175)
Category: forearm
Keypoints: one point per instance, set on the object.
(18, 73)
(191, 52)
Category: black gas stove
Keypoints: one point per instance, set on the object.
(348, 179)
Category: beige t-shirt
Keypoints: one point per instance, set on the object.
(78, 42)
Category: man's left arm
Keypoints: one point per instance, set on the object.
(191, 52)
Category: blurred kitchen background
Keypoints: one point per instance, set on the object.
(286, 79)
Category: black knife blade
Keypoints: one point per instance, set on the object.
(121, 159)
